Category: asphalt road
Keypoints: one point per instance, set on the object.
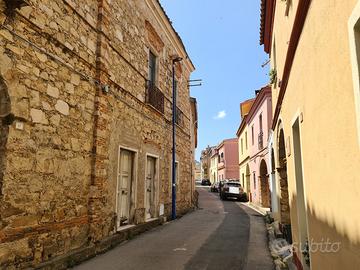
(220, 235)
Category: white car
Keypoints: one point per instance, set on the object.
(232, 189)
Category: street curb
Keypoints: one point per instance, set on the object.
(255, 208)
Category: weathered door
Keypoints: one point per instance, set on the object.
(124, 185)
(150, 187)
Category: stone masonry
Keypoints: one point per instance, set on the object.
(73, 78)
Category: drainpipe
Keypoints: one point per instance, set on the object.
(272, 179)
(173, 197)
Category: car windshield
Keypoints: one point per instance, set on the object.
(233, 184)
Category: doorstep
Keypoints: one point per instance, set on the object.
(125, 227)
(151, 219)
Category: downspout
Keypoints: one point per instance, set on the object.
(273, 187)
(96, 115)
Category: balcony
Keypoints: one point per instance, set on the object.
(261, 140)
(221, 163)
(154, 97)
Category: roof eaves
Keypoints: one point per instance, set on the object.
(176, 33)
(262, 21)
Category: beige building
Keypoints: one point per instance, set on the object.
(243, 144)
(214, 158)
(314, 52)
(197, 170)
(85, 107)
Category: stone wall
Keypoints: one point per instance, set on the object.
(59, 174)
(5, 109)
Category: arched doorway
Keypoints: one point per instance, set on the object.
(5, 109)
(284, 193)
(264, 185)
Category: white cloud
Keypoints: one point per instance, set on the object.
(220, 115)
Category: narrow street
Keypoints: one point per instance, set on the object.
(220, 235)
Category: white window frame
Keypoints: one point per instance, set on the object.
(252, 135)
(246, 140)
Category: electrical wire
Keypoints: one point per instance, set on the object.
(86, 77)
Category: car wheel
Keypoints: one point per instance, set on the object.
(243, 198)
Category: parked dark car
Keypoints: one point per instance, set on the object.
(198, 182)
(232, 189)
(215, 187)
(205, 182)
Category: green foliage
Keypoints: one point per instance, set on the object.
(273, 76)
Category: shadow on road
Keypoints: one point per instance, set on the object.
(226, 248)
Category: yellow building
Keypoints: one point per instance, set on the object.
(244, 153)
(314, 52)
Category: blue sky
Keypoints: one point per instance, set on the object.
(222, 40)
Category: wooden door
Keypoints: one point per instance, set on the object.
(150, 187)
(125, 179)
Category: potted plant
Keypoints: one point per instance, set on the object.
(273, 76)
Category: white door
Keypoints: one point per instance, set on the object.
(125, 177)
(150, 187)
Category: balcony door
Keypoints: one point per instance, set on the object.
(152, 69)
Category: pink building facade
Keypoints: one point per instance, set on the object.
(228, 165)
(259, 123)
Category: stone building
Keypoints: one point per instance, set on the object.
(86, 110)
(315, 143)
(194, 142)
(205, 160)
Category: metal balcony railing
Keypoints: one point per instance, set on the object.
(261, 140)
(155, 97)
